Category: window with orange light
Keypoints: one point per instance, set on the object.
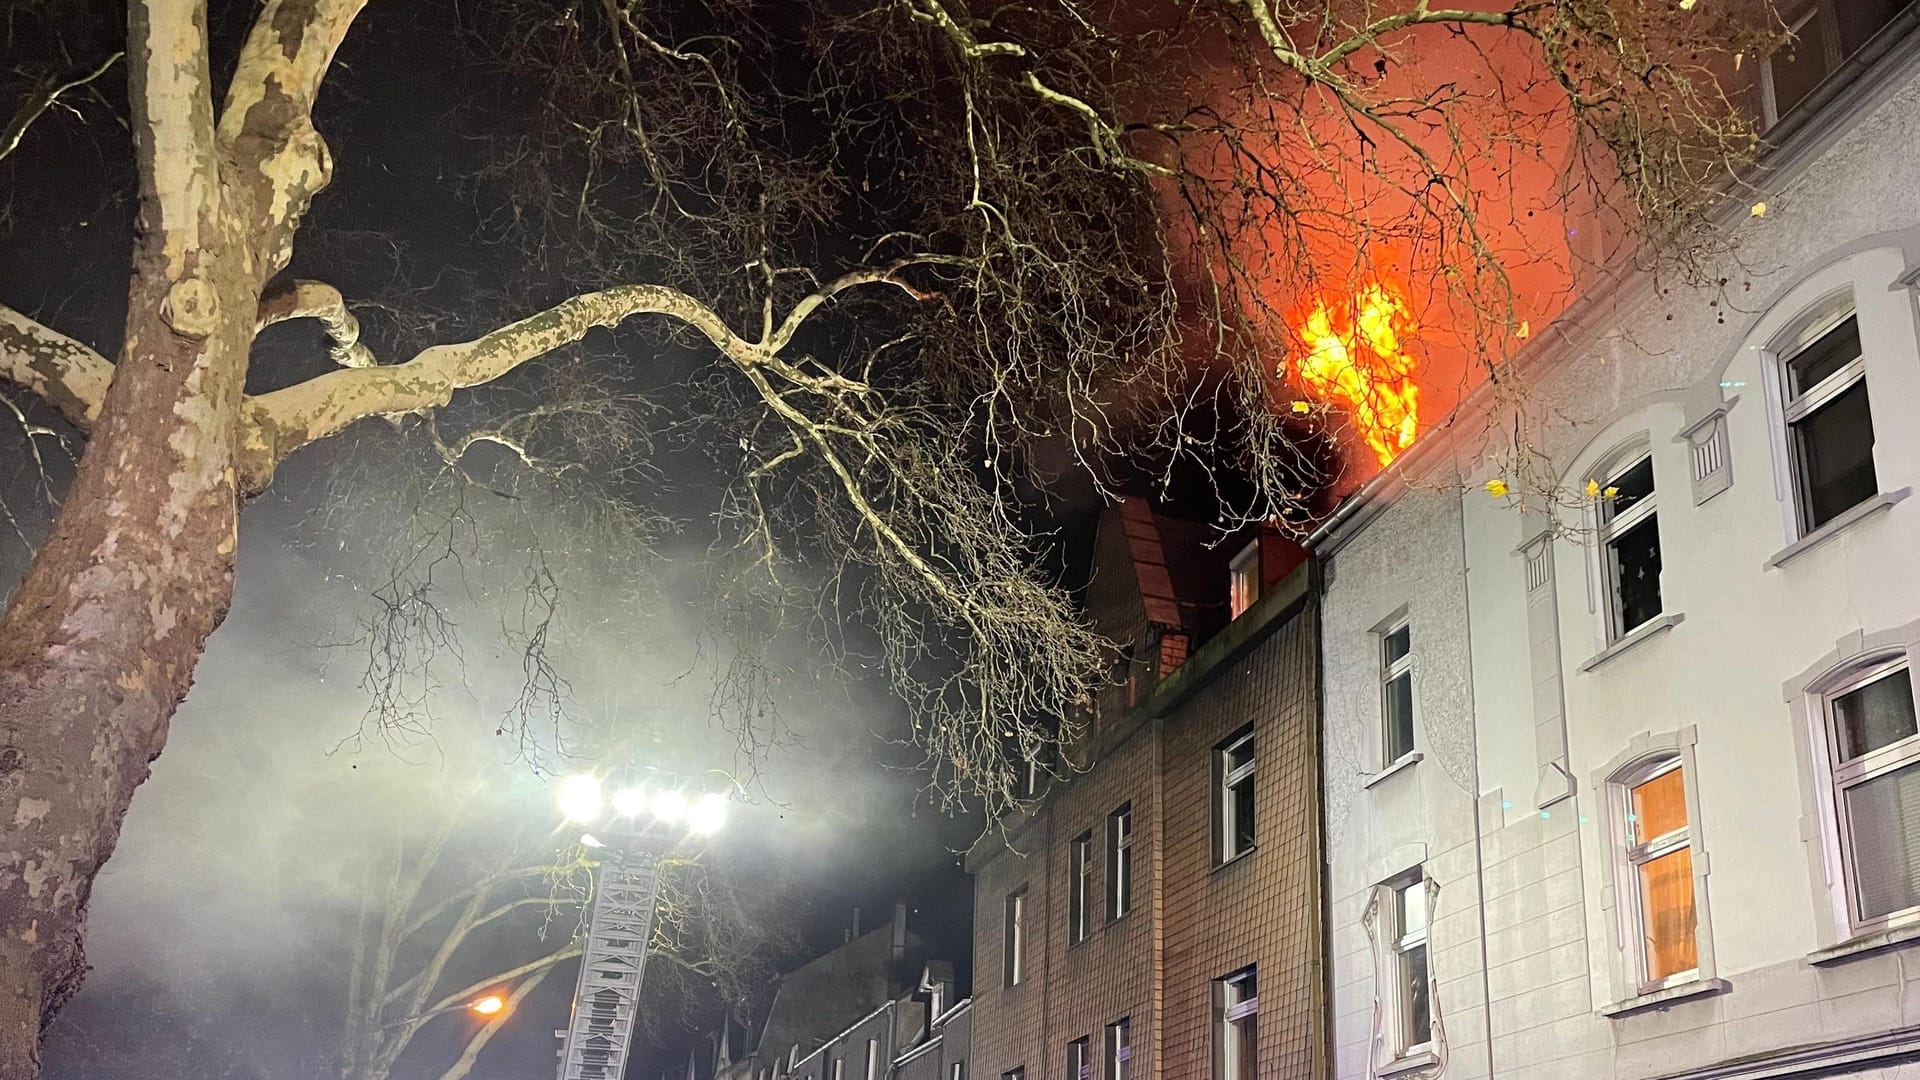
(1659, 864)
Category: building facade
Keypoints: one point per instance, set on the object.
(1154, 912)
(1623, 779)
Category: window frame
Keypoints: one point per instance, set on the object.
(1647, 756)
(1822, 318)
(1400, 944)
(1632, 854)
(1013, 933)
(1841, 777)
(1079, 1062)
(1243, 580)
(1227, 780)
(1119, 1049)
(1609, 529)
(1079, 895)
(1770, 111)
(1392, 671)
(1229, 1036)
(1120, 863)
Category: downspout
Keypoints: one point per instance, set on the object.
(1315, 584)
(1479, 838)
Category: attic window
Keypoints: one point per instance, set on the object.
(1243, 579)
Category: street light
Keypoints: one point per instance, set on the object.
(490, 1005)
(606, 998)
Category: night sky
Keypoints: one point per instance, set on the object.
(217, 929)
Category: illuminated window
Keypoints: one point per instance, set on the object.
(1410, 1001)
(1120, 862)
(1233, 797)
(1396, 692)
(1243, 579)
(1236, 1036)
(1829, 421)
(1120, 1049)
(1014, 958)
(1629, 537)
(1874, 752)
(1657, 885)
(1080, 871)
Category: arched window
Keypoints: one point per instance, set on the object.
(1867, 717)
(1627, 538)
(1654, 870)
(1822, 374)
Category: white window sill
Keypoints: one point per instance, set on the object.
(1846, 519)
(1863, 944)
(1418, 1058)
(1406, 761)
(1651, 629)
(1664, 997)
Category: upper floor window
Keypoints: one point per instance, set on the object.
(840, 1068)
(1825, 32)
(1236, 1034)
(1014, 955)
(1874, 753)
(1233, 797)
(873, 1059)
(1396, 692)
(1411, 1005)
(1079, 1065)
(1629, 538)
(1243, 579)
(1120, 1049)
(957, 1071)
(1654, 872)
(1120, 862)
(1080, 870)
(1829, 423)
(1018, 1072)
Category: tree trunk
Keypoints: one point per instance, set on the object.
(99, 644)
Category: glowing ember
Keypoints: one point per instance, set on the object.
(1354, 357)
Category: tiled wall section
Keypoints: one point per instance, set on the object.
(1264, 908)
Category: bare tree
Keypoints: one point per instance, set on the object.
(961, 244)
(458, 913)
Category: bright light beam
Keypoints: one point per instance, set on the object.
(630, 802)
(580, 798)
(707, 815)
(669, 806)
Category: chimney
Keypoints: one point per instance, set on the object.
(899, 929)
(856, 922)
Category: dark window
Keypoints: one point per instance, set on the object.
(1080, 859)
(1120, 862)
(1396, 693)
(1233, 796)
(1236, 1034)
(1630, 546)
(1120, 1049)
(1410, 962)
(1079, 1065)
(1830, 425)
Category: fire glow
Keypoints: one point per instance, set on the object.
(1354, 356)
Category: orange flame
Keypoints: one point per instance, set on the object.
(1355, 358)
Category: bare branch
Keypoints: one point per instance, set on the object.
(59, 370)
(321, 302)
(40, 99)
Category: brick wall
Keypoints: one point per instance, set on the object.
(1263, 908)
(1189, 923)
